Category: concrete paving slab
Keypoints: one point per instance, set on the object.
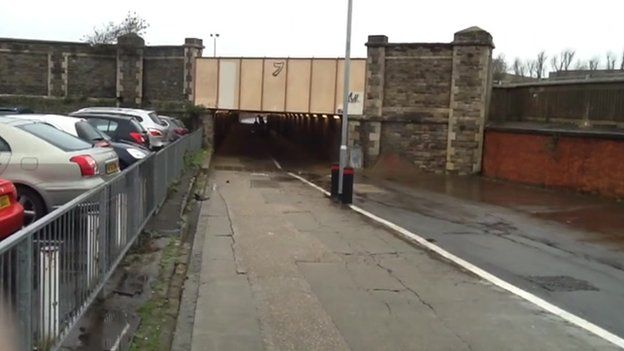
(219, 226)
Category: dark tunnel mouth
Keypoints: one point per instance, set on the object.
(316, 136)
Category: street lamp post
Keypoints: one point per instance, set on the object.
(345, 102)
(214, 37)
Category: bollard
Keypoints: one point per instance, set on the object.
(347, 185)
(335, 171)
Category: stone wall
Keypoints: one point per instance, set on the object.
(426, 102)
(164, 73)
(90, 76)
(130, 72)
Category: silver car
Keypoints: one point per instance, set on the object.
(159, 131)
(50, 167)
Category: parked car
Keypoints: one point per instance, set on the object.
(14, 110)
(11, 211)
(177, 126)
(123, 129)
(128, 153)
(158, 130)
(48, 166)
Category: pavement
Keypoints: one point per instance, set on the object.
(284, 268)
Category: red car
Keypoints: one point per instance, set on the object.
(11, 211)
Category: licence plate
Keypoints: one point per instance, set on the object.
(4, 201)
(112, 167)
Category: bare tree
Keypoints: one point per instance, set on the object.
(499, 68)
(540, 64)
(611, 59)
(622, 61)
(555, 64)
(593, 63)
(563, 61)
(567, 56)
(531, 68)
(519, 67)
(109, 33)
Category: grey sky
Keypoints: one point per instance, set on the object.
(317, 28)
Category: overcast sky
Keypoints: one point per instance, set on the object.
(317, 27)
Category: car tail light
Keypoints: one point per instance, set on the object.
(88, 166)
(180, 131)
(137, 137)
(155, 132)
(12, 192)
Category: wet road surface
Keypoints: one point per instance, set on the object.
(564, 247)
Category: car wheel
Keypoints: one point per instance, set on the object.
(34, 208)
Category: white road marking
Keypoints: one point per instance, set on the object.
(565, 315)
(277, 164)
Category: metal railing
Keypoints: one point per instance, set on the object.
(52, 270)
(596, 102)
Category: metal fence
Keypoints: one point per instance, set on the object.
(51, 271)
(593, 101)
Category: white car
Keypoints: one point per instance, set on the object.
(79, 127)
(48, 166)
(159, 131)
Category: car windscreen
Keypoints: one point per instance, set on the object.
(60, 139)
(154, 117)
(88, 132)
(138, 126)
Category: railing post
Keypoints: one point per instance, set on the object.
(104, 237)
(49, 292)
(24, 291)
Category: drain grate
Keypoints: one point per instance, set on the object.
(264, 183)
(561, 283)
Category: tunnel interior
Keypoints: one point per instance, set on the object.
(294, 141)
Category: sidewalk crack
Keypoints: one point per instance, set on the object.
(388, 307)
(422, 301)
(239, 270)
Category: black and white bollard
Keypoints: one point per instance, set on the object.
(347, 185)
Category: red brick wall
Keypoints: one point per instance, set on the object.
(579, 163)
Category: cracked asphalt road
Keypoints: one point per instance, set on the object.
(284, 268)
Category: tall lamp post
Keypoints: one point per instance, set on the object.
(345, 102)
(214, 37)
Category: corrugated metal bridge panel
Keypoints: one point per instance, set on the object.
(293, 85)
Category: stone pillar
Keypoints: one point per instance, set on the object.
(354, 133)
(57, 74)
(193, 49)
(208, 124)
(375, 74)
(470, 88)
(370, 127)
(130, 49)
